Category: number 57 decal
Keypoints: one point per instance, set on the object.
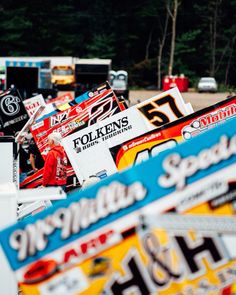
(158, 112)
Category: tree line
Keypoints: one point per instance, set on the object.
(148, 38)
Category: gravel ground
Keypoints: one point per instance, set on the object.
(198, 100)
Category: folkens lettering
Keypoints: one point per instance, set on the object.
(101, 132)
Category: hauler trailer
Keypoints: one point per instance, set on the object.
(89, 73)
(54, 60)
(30, 78)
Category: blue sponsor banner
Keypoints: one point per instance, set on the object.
(83, 97)
(124, 193)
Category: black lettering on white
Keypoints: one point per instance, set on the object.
(193, 252)
(101, 132)
(136, 278)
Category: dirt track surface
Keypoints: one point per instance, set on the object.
(198, 100)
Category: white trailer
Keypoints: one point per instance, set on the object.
(55, 60)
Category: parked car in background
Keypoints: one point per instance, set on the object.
(207, 84)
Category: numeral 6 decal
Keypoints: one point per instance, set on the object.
(159, 117)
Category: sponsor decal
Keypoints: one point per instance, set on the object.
(91, 94)
(102, 109)
(95, 143)
(74, 116)
(179, 169)
(10, 105)
(208, 121)
(219, 116)
(79, 215)
(161, 255)
(12, 112)
(105, 132)
(41, 134)
(150, 144)
(167, 258)
(59, 118)
(32, 106)
(37, 125)
(156, 116)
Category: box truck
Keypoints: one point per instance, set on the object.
(89, 73)
(30, 78)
